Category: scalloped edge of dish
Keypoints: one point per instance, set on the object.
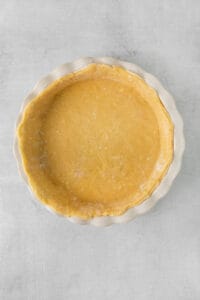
(166, 99)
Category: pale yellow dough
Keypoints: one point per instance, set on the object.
(95, 142)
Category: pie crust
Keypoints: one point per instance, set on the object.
(95, 142)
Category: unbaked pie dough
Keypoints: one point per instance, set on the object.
(95, 142)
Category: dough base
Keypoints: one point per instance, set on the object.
(95, 142)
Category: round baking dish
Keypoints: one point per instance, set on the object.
(169, 105)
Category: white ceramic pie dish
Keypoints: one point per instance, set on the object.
(169, 104)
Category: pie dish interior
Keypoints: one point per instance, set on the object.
(95, 142)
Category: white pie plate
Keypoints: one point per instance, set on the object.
(167, 100)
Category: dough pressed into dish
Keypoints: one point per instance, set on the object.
(95, 142)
